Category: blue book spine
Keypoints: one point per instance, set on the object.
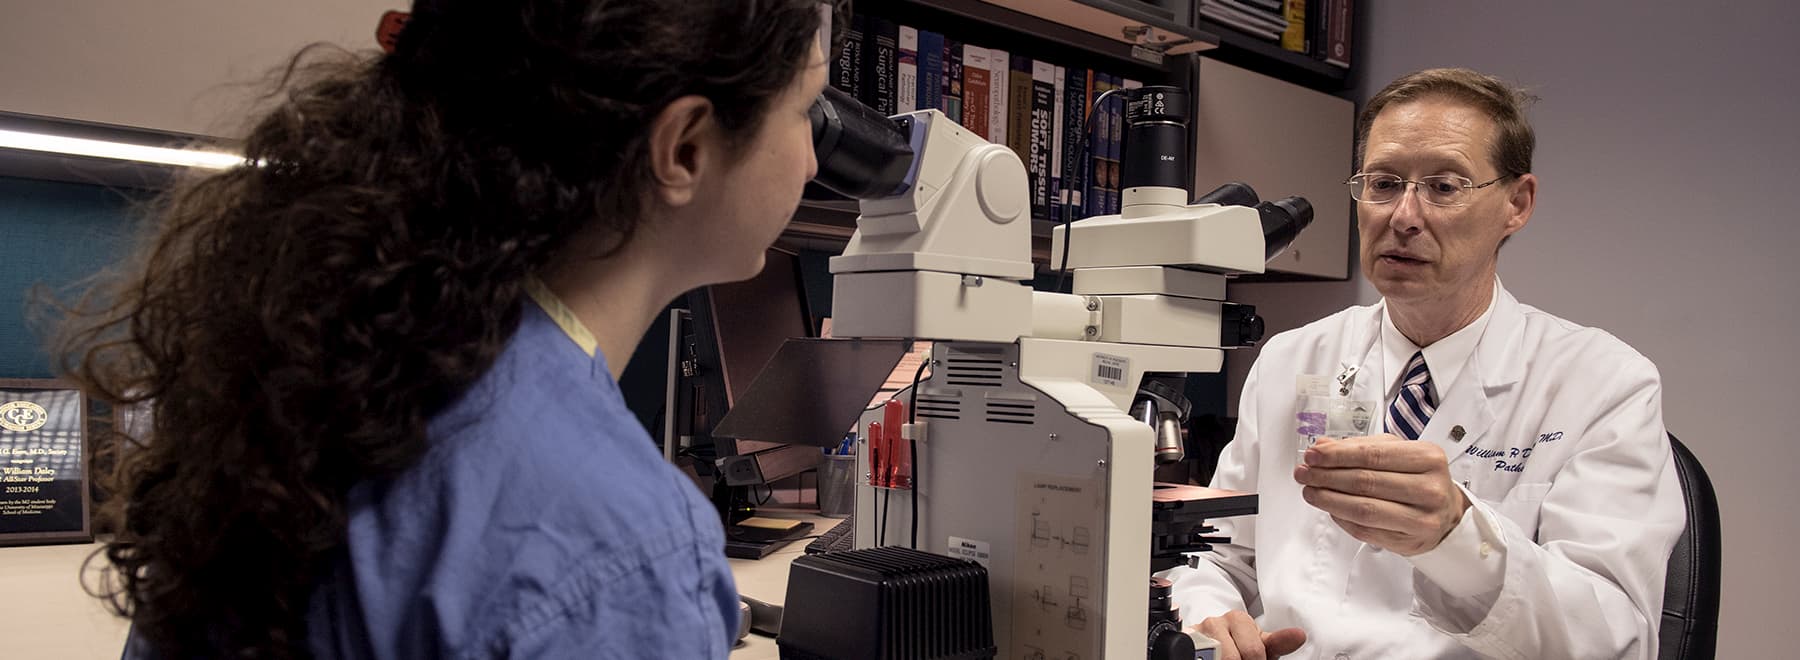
(931, 70)
(1102, 136)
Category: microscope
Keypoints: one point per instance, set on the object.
(1029, 447)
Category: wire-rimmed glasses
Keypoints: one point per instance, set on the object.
(1437, 190)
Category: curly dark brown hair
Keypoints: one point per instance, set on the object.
(291, 325)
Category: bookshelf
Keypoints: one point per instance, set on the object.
(1105, 36)
(1031, 27)
(1270, 59)
(1151, 41)
(1126, 22)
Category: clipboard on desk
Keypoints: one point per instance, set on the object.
(756, 537)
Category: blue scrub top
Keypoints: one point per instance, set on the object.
(541, 523)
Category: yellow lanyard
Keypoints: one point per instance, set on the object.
(561, 314)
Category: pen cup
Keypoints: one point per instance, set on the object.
(837, 486)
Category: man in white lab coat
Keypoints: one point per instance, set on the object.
(1448, 473)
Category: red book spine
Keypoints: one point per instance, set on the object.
(976, 79)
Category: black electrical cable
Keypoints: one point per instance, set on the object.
(881, 517)
(912, 417)
(1068, 210)
(880, 494)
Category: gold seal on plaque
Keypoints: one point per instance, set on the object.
(22, 416)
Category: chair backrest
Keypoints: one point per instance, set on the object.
(1690, 616)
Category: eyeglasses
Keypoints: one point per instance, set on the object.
(1438, 190)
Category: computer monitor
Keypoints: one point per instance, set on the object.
(735, 328)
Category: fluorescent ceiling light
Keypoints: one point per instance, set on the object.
(213, 160)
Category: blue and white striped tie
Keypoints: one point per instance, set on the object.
(1413, 407)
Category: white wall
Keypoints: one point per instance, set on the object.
(1667, 140)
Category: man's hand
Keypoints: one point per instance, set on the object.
(1240, 638)
(1385, 491)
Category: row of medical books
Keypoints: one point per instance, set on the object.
(1318, 28)
(1037, 108)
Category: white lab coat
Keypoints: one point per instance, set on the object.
(1587, 519)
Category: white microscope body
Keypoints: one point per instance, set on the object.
(1029, 460)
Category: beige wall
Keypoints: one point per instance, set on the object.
(187, 66)
(1667, 137)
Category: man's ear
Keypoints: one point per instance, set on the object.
(1522, 200)
(683, 141)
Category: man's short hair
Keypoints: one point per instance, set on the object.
(1503, 103)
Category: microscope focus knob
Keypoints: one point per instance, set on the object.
(1172, 645)
(1252, 329)
(1001, 186)
(1239, 326)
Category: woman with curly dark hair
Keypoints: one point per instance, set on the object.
(381, 362)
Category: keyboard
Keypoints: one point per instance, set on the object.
(840, 537)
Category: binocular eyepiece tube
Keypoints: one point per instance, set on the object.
(862, 153)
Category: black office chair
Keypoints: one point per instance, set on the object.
(1690, 617)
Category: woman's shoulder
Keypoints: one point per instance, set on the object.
(547, 430)
(536, 476)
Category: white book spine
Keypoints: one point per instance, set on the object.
(907, 96)
(1000, 67)
(975, 56)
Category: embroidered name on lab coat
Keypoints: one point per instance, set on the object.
(1512, 459)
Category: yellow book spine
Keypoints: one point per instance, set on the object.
(1294, 38)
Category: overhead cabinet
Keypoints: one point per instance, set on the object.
(1282, 139)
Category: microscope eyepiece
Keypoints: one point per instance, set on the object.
(1236, 193)
(1156, 137)
(862, 154)
(1282, 220)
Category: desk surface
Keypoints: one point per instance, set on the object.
(47, 613)
(766, 580)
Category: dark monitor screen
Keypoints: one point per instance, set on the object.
(737, 328)
(814, 390)
(750, 319)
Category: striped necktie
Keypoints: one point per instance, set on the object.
(1413, 407)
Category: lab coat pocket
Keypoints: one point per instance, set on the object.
(1522, 505)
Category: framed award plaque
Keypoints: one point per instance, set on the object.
(43, 463)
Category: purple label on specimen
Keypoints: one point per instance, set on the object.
(1311, 423)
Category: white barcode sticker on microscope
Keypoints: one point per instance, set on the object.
(1110, 369)
(970, 549)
